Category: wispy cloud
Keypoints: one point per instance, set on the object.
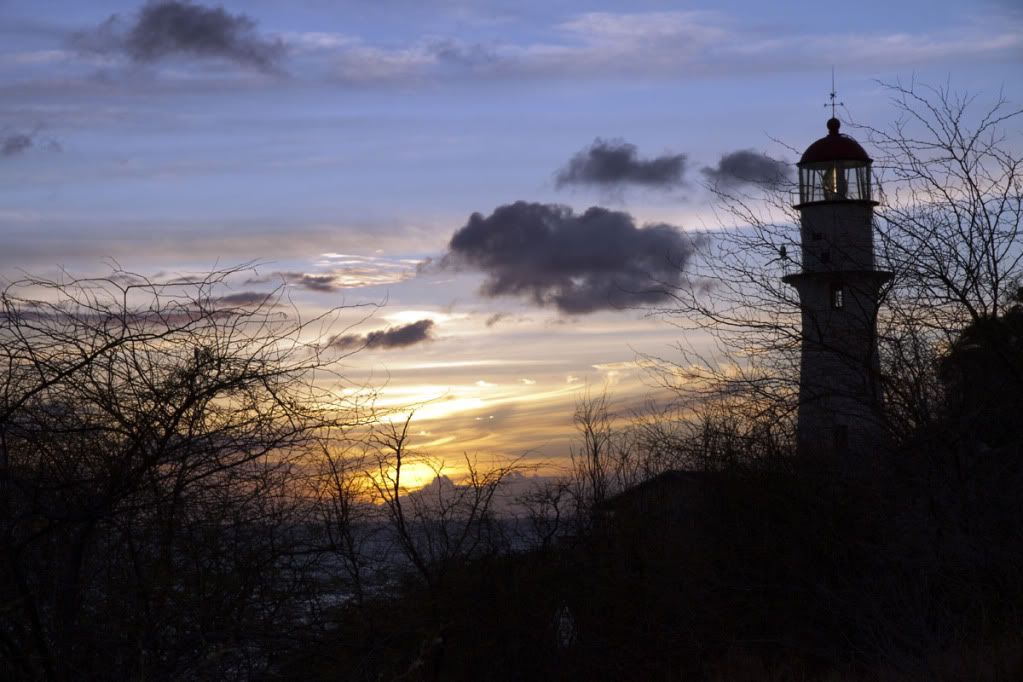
(653, 43)
(588, 43)
(626, 365)
(647, 45)
(346, 271)
(665, 44)
(361, 62)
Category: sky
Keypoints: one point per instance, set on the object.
(503, 180)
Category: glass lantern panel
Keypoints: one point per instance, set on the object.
(836, 181)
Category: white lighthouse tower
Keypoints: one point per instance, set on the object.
(839, 391)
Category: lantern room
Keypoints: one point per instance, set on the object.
(834, 168)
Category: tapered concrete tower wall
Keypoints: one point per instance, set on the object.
(839, 287)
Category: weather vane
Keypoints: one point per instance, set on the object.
(833, 95)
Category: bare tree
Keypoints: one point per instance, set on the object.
(444, 523)
(726, 430)
(149, 433)
(548, 510)
(608, 458)
(949, 228)
(343, 499)
(741, 327)
(952, 208)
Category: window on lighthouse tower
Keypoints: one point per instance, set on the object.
(837, 296)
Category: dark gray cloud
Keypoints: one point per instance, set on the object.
(173, 27)
(471, 55)
(249, 298)
(495, 318)
(315, 282)
(15, 143)
(597, 260)
(616, 163)
(322, 282)
(747, 166)
(393, 337)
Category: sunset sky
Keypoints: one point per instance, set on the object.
(345, 146)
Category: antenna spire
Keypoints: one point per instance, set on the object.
(833, 95)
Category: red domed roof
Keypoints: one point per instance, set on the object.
(834, 147)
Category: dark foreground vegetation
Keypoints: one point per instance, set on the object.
(763, 568)
(780, 578)
(186, 511)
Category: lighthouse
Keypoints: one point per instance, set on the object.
(839, 290)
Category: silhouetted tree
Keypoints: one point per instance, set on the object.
(982, 375)
(150, 436)
(549, 511)
(949, 229)
(350, 522)
(444, 523)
